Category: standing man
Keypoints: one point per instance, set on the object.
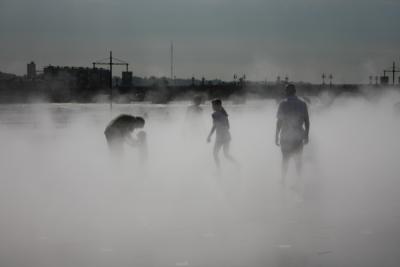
(292, 128)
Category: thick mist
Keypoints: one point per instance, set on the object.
(65, 202)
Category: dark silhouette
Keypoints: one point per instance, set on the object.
(221, 127)
(194, 109)
(193, 119)
(292, 129)
(118, 132)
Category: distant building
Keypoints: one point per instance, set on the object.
(126, 79)
(384, 80)
(31, 70)
(79, 77)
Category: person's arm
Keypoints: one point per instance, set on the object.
(211, 133)
(307, 125)
(278, 130)
(131, 141)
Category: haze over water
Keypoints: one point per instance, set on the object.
(65, 202)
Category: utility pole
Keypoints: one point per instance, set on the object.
(110, 63)
(393, 71)
(111, 87)
(172, 62)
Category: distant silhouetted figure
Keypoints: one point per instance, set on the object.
(194, 113)
(195, 109)
(194, 127)
(118, 132)
(221, 127)
(292, 129)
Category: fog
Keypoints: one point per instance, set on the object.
(64, 202)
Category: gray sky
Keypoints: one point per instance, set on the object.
(351, 39)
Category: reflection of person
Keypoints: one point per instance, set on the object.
(292, 129)
(221, 127)
(118, 132)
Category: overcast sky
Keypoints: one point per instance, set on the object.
(351, 39)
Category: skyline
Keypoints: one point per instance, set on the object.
(215, 39)
(390, 75)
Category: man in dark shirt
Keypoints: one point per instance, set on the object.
(292, 129)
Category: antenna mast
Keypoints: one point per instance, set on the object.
(172, 61)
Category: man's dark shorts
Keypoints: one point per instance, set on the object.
(291, 147)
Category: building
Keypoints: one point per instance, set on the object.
(126, 79)
(384, 80)
(31, 70)
(79, 77)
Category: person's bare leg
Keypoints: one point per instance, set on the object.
(217, 148)
(299, 161)
(299, 167)
(284, 167)
(227, 154)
